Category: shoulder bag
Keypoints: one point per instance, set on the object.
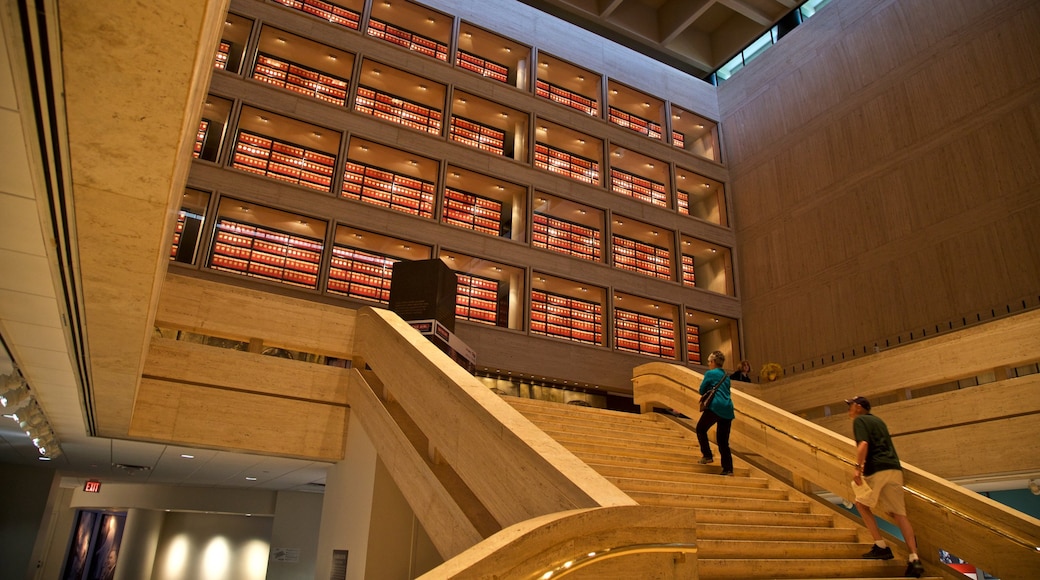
(706, 398)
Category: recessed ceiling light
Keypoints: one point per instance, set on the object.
(250, 478)
(186, 456)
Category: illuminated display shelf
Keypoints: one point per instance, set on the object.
(479, 135)
(360, 274)
(300, 79)
(635, 123)
(565, 317)
(644, 334)
(473, 212)
(558, 94)
(390, 108)
(567, 164)
(477, 299)
(384, 188)
(283, 161)
(265, 253)
(482, 66)
(326, 11)
(682, 201)
(223, 54)
(200, 138)
(693, 344)
(406, 38)
(177, 231)
(688, 278)
(678, 139)
(636, 187)
(647, 259)
(566, 237)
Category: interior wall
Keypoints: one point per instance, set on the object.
(396, 536)
(883, 174)
(207, 546)
(294, 539)
(26, 493)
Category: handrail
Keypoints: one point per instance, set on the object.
(558, 544)
(994, 537)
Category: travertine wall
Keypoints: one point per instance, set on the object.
(884, 172)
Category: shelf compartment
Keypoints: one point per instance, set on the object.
(477, 300)
(478, 135)
(688, 276)
(266, 253)
(360, 273)
(326, 11)
(281, 160)
(301, 79)
(385, 188)
(641, 257)
(644, 334)
(397, 110)
(482, 66)
(474, 212)
(638, 187)
(566, 237)
(408, 39)
(564, 317)
(635, 123)
(558, 161)
(566, 97)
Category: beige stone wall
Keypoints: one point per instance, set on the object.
(884, 172)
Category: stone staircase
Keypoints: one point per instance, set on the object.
(749, 526)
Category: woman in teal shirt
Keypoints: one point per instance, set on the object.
(719, 411)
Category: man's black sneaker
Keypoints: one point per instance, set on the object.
(727, 472)
(705, 460)
(878, 553)
(914, 568)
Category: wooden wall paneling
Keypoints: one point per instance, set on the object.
(187, 362)
(909, 174)
(226, 311)
(200, 416)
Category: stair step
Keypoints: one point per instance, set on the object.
(789, 568)
(713, 515)
(689, 465)
(578, 445)
(793, 533)
(698, 474)
(714, 501)
(683, 488)
(630, 436)
(779, 548)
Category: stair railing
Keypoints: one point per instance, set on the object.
(998, 539)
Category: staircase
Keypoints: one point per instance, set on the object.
(749, 526)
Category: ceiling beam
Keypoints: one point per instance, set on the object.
(675, 16)
(748, 11)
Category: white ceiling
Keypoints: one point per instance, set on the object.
(31, 316)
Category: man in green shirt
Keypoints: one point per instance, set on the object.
(877, 465)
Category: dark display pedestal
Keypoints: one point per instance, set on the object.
(424, 289)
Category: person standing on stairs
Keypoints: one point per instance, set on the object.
(720, 411)
(878, 465)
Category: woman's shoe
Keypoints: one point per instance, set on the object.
(705, 460)
(727, 472)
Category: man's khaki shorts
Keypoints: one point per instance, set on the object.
(886, 492)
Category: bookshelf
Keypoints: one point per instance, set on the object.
(474, 212)
(678, 139)
(284, 161)
(410, 40)
(265, 253)
(200, 138)
(479, 135)
(567, 164)
(644, 334)
(385, 188)
(688, 277)
(565, 97)
(693, 344)
(186, 236)
(390, 108)
(635, 123)
(477, 300)
(298, 78)
(482, 66)
(360, 274)
(326, 11)
(682, 201)
(564, 317)
(637, 187)
(566, 237)
(223, 54)
(641, 257)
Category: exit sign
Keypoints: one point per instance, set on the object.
(92, 487)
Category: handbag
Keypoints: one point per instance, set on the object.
(706, 398)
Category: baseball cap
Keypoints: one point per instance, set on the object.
(861, 401)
